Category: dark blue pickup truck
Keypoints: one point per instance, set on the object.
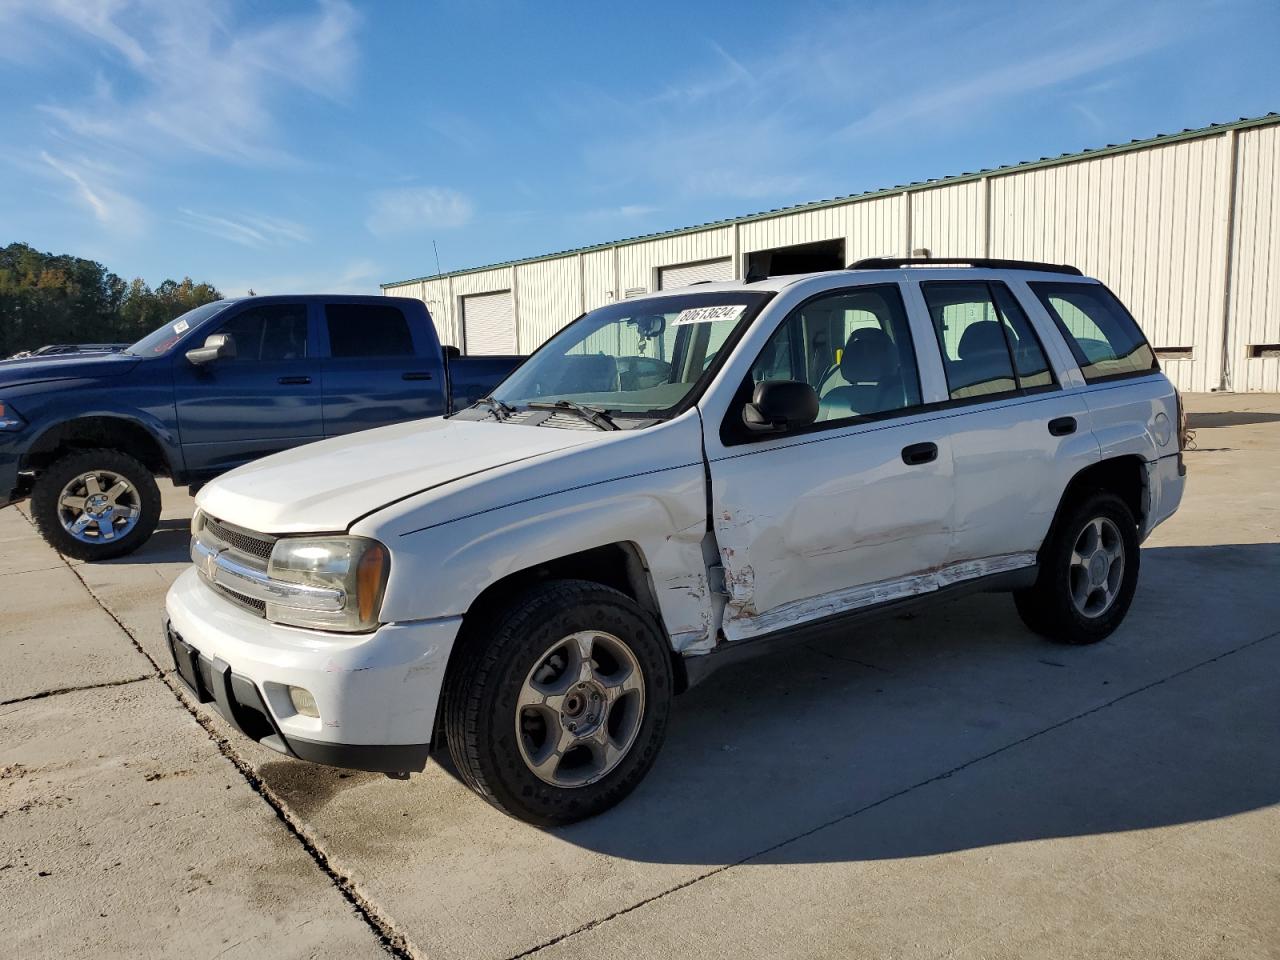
(226, 383)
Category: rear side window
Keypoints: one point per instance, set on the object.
(1103, 336)
(275, 331)
(988, 345)
(366, 330)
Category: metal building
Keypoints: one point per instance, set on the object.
(1185, 227)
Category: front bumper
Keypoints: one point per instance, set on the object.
(376, 693)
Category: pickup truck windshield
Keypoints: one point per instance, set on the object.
(636, 358)
(161, 340)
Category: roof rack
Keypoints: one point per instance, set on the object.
(892, 263)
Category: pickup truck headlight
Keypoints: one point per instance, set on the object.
(9, 417)
(355, 565)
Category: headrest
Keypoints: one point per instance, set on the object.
(982, 337)
(868, 356)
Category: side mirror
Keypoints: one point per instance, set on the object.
(217, 346)
(780, 405)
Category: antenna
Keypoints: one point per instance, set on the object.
(437, 252)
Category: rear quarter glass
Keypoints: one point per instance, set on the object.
(1103, 336)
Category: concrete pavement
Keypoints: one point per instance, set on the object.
(942, 783)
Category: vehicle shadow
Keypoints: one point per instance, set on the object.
(171, 543)
(956, 728)
(1229, 418)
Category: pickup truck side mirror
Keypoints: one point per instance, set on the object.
(780, 405)
(217, 346)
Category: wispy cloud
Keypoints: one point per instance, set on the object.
(414, 209)
(199, 80)
(248, 231)
(90, 187)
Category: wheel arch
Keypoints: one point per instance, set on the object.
(1125, 476)
(125, 434)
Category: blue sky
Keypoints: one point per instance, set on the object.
(323, 146)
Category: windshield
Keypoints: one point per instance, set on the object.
(643, 357)
(162, 339)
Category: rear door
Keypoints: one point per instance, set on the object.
(1017, 436)
(263, 400)
(379, 367)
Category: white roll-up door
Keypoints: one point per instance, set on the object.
(488, 323)
(684, 274)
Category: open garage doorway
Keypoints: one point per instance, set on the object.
(800, 258)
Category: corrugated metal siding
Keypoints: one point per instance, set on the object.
(1255, 276)
(1146, 224)
(638, 263)
(1150, 220)
(549, 297)
(950, 221)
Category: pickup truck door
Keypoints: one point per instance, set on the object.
(1017, 436)
(263, 400)
(378, 367)
(852, 511)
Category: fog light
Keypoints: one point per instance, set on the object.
(303, 702)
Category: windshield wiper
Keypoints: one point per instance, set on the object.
(500, 410)
(590, 414)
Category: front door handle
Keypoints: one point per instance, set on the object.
(294, 380)
(1061, 426)
(416, 375)
(919, 453)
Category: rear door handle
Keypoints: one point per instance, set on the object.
(294, 380)
(1061, 426)
(919, 453)
(416, 375)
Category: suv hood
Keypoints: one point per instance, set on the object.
(327, 486)
(88, 367)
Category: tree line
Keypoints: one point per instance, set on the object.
(57, 298)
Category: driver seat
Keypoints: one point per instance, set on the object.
(870, 368)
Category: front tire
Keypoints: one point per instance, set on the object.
(556, 708)
(95, 504)
(1088, 573)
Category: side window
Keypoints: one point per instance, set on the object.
(853, 347)
(1029, 360)
(276, 331)
(1103, 336)
(971, 334)
(361, 330)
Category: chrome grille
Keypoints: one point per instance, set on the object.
(245, 541)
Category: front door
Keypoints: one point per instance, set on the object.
(264, 399)
(852, 511)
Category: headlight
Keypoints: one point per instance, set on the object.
(355, 565)
(9, 417)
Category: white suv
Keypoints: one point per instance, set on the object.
(668, 482)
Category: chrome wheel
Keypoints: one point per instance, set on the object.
(1097, 567)
(100, 506)
(579, 709)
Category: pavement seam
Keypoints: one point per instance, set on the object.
(88, 686)
(390, 939)
(591, 925)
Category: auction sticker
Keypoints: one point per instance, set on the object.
(181, 326)
(729, 311)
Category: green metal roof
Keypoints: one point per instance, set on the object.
(1111, 148)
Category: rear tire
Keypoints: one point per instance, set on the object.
(95, 504)
(1088, 573)
(556, 707)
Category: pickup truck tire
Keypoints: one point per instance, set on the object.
(123, 491)
(1088, 572)
(558, 704)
